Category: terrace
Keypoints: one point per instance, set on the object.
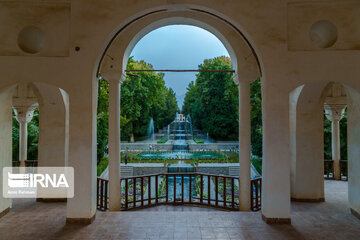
(327, 220)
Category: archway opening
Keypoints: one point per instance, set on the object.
(320, 138)
(194, 134)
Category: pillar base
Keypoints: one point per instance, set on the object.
(51, 199)
(276, 220)
(83, 221)
(355, 213)
(308, 200)
(3, 213)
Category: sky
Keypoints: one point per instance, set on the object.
(178, 47)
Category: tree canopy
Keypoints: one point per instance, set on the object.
(143, 96)
(213, 99)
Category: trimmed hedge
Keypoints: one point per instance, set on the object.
(197, 140)
(162, 140)
(102, 165)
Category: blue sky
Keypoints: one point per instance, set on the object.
(178, 47)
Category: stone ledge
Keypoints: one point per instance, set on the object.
(276, 220)
(355, 213)
(3, 213)
(308, 199)
(84, 221)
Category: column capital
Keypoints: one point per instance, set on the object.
(24, 114)
(334, 112)
(114, 76)
(239, 79)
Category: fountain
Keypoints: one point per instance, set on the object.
(180, 167)
(151, 131)
(168, 132)
(189, 120)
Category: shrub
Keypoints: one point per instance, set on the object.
(162, 140)
(257, 162)
(102, 165)
(197, 140)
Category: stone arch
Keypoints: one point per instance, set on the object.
(53, 125)
(113, 65)
(306, 142)
(5, 138)
(245, 60)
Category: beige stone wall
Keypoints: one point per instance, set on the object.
(271, 39)
(5, 139)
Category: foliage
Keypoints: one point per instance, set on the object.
(212, 101)
(33, 137)
(197, 140)
(102, 165)
(143, 97)
(257, 162)
(343, 138)
(256, 118)
(162, 140)
(102, 118)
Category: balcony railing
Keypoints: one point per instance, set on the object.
(28, 163)
(329, 169)
(180, 188)
(102, 194)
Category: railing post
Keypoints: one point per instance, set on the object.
(156, 189)
(102, 194)
(174, 188)
(224, 192)
(142, 190)
(216, 190)
(149, 190)
(126, 193)
(201, 188)
(167, 187)
(134, 191)
(257, 194)
(190, 180)
(252, 195)
(106, 194)
(260, 187)
(209, 190)
(182, 188)
(233, 193)
(97, 192)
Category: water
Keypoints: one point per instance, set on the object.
(150, 132)
(180, 155)
(178, 187)
(180, 167)
(168, 132)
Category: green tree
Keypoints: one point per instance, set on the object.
(143, 96)
(212, 101)
(343, 138)
(256, 118)
(33, 137)
(102, 117)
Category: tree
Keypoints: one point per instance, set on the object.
(33, 137)
(256, 118)
(143, 96)
(212, 101)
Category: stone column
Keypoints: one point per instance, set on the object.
(244, 145)
(115, 79)
(23, 116)
(275, 202)
(335, 113)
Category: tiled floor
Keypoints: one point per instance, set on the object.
(328, 220)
